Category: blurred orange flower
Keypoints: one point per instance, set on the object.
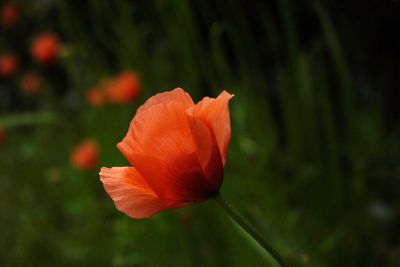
(9, 15)
(124, 88)
(45, 48)
(95, 97)
(178, 150)
(8, 65)
(85, 155)
(3, 136)
(31, 82)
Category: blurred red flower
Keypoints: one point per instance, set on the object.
(31, 82)
(85, 155)
(178, 150)
(95, 97)
(45, 48)
(124, 88)
(3, 136)
(8, 65)
(9, 15)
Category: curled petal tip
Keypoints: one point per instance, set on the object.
(226, 94)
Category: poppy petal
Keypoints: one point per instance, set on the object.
(207, 150)
(178, 95)
(130, 192)
(160, 145)
(214, 112)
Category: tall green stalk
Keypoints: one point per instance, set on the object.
(242, 222)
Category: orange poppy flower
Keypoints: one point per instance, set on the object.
(31, 82)
(3, 136)
(178, 150)
(95, 97)
(45, 48)
(9, 15)
(124, 88)
(85, 155)
(8, 65)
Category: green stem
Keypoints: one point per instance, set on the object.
(27, 119)
(232, 212)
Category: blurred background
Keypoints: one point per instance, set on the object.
(315, 149)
